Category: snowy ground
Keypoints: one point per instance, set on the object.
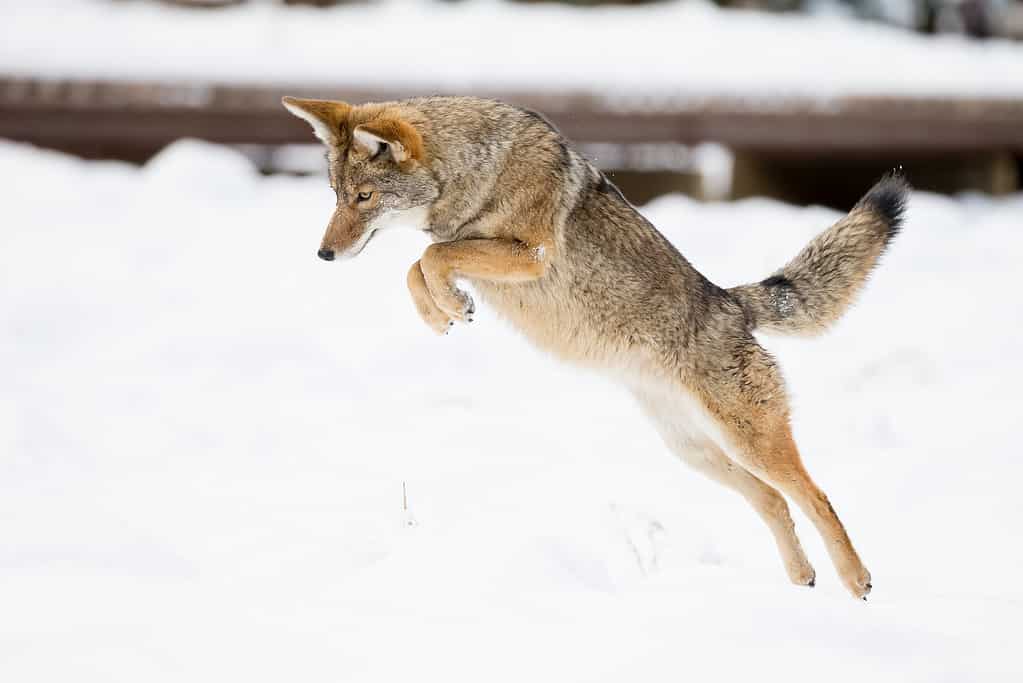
(204, 432)
(674, 49)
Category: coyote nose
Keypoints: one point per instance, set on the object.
(326, 254)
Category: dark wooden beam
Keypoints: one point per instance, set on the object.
(99, 114)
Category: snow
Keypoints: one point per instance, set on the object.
(205, 432)
(648, 56)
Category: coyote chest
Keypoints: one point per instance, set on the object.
(553, 318)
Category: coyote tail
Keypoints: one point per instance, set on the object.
(815, 288)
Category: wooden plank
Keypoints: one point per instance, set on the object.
(148, 115)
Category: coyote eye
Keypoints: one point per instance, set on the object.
(363, 197)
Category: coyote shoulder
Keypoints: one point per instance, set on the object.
(551, 244)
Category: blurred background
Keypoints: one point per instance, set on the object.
(224, 459)
(749, 100)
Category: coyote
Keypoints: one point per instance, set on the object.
(553, 246)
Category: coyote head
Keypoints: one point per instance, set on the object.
(377, 168)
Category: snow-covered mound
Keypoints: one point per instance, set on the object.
(204, 433)
(672, 49)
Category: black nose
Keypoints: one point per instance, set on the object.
(326, 254)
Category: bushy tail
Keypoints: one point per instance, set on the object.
(816, 287)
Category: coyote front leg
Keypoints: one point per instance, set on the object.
(496, 260)
(436, 319)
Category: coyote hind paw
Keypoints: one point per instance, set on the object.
(859, 583)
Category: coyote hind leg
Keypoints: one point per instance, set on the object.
(750, 409)
(774, 458)
(677, 426)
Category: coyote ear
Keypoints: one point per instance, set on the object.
(401, 138)
(325, 116)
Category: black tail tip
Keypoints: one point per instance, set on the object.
(888, 199)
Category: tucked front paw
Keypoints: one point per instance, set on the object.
(434, 318)
(457, 305)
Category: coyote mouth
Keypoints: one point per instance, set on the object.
(365, 243)
(372, 233)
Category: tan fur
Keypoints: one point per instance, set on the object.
(399, 132)
(332, 114)
(330, 111)
(551, 245)
(426, 306)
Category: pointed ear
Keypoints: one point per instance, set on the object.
(403, 140)
(325, 116)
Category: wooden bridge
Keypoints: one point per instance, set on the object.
(789, 147)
